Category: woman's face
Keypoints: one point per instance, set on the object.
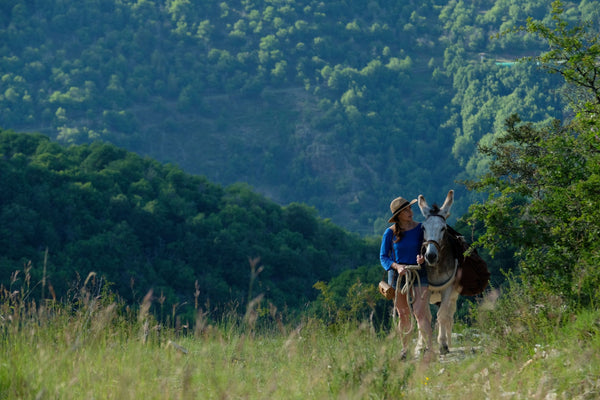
(405, 215)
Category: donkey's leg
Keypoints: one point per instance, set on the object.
(420, 343)
(445, 318)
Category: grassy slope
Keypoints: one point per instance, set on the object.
(99, 351)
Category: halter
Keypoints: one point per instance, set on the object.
(433, 242)
(436, 290)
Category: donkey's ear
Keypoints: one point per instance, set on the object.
(423, 205)
(448, 203)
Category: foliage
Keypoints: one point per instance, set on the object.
(522, 316)
(335, 105)
(142, 225)
(543, 181)
(573, 54)
(352, 296)
(340, 106)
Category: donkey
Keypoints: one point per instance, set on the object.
(441, 266)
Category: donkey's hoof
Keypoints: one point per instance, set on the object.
(403, 355)
(444, 349)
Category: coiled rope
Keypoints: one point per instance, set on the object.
(408, 289)
(411, 273)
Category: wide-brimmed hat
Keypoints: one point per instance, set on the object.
(399, 204)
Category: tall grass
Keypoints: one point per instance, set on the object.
(95, 347)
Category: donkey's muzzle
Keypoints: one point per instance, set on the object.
(430, 252)
(431, 257)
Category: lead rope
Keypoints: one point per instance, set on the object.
(412, 274)
(408, 289)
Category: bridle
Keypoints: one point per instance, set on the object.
(443, 286)
(433, 242)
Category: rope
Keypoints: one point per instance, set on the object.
(436, 291)
(439, 288)
(411, 272)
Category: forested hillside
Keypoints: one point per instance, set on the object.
(339, 105)
(140, 225)
(112, 260)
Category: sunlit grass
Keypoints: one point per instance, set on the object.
(97, 349)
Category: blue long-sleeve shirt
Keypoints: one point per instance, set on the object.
(405, 251)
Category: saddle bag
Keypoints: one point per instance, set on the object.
(475, 274)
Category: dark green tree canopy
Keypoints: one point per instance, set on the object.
(143, 225)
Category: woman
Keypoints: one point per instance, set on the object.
(401, 248)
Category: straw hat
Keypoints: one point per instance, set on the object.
(399, 204)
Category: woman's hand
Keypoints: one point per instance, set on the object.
(399, 267)
(420, 259)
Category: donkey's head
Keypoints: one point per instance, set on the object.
(434, 226)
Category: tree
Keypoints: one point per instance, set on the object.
(543, 180)
(574, 53)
